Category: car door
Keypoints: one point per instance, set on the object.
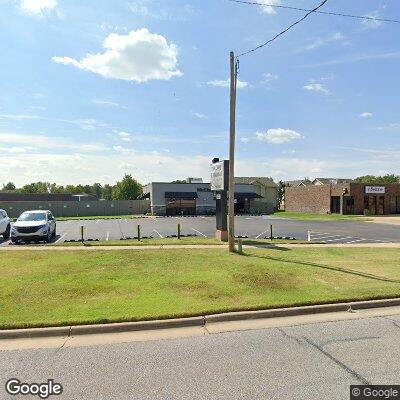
(52, 221)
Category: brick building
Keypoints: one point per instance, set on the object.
(344, 198)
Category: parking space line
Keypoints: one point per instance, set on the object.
(158, 233)
(262, 233)
(60, 238)
(202, 234)
(108, 236)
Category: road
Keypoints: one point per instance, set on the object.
(314, 361)
(251, 226)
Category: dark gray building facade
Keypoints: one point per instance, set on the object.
(198, 199)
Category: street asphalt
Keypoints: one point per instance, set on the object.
(310, 362)
(251, 226)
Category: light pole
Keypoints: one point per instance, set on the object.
(232, 134)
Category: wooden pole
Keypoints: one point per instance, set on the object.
(232, 133)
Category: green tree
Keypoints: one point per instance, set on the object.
(36, 187)
(9, 186)
(106, 192)
(281, 192)
(97, 189)
(377, 180)
(127, 189)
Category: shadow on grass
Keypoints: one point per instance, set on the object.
(323, 266)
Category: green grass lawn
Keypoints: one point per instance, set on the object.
(73, 287)
(320, 217)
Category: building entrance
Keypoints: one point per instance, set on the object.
(375, 204)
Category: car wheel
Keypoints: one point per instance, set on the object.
(54, 234)
(14, 241)
(48, 238)
(6, 234)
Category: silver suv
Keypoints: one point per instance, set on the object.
(5, 225)
(37, 225)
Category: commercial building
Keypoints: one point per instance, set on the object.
(344, 198)
(197, 198)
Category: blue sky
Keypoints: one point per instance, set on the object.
(92, 90)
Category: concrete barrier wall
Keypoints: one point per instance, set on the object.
(78, 208)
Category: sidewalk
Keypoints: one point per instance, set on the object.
(200, 246)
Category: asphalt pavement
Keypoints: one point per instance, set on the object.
(248, 226)
(314, 361)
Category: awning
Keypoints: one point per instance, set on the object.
(240, 196)
(181, 195)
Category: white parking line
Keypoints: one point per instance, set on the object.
(108, 236)
(262, 233)
(202, 234)
(61, 238)
(158, 233)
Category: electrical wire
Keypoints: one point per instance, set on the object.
(364, 17)
(284, 31)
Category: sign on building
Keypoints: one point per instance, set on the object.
(219, 176)
(375, 189)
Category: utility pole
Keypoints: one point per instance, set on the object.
(232, 133)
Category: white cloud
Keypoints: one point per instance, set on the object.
(199, 115)
(266, 6)
(371, 23)
(38, 108)
(107, 103)
(38, 7)
(279, 136)
(139, 56)
(366, 115)
(227, 83)
(268, 77)
(245, 140)
(42, 143)
(320, 42)
(124, 136)
(316, 87)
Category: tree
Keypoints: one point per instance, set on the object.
(179, 181)
(97, 189)
(281, 193)
(127, 189)
(377, 180)
(9, 186)
(37, 187)
(106, 192)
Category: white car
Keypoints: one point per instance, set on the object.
(5, 225)
(37, 225)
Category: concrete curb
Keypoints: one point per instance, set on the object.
(67, 331)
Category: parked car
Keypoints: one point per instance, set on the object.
(5, 225)
(36, 225)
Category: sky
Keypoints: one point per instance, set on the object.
(92, 90)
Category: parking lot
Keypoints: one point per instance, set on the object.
(254, 227)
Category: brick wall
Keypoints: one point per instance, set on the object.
(309, 199)
(358, 192)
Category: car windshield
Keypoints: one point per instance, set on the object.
(32, 217)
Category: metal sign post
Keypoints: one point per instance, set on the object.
(219, 184)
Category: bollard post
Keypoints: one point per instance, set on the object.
(179, 231)
(240, 246)
(309, 236)
(271, 236)
(82, 230)
(138, 232)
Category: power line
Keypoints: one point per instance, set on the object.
(284, 31)
(365, 17)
